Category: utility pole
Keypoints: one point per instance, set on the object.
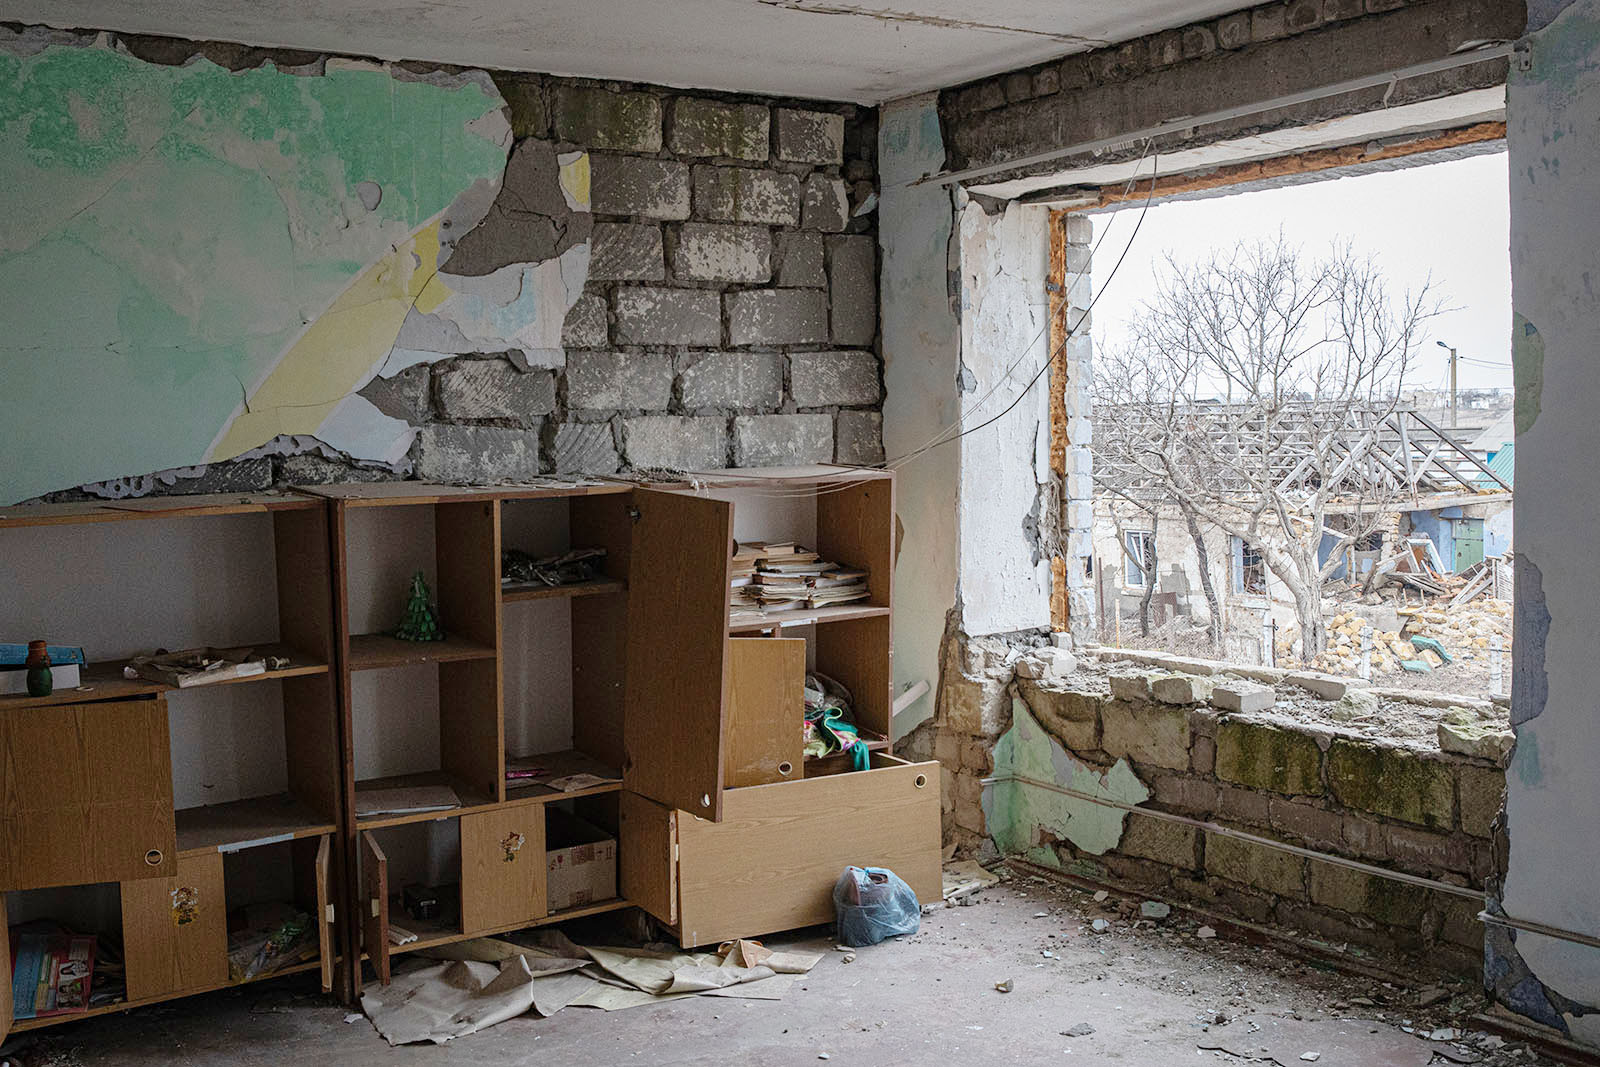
(1453, 413)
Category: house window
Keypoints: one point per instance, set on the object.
(1249, 572)
(1141, 547)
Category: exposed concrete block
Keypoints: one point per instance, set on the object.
(1071, 717)
(810, 137)
(1047, 81)
(722, 252)
(742, 194)
(1338, 10)
(1359, 893)
(1193, 795)
(478, 454)
(1366, 837)
(1161, 841)
(1242, 697)
(1483, 795)
(825, 204)
(585, 325)
(1268, 22)
(651, 316)
(1233, 31)
(626, 251)
(1243, 805)
(494, 389)
(853, 289)
(718, 128)
(1203, 754)
(407, 395)
(1392, 782)
(1166, 48)
(1429, 851)
(1017, 87)
(1266, 757)
(798, 260)
(309, 468)
(675, 442)
(858, 438)
(1198, 41)
(601, 381)
(777, 317)
(586, 448)
(782, 440)
(628, 185)
(822, 379)
(1316, 826)
(1326, 686)
(1130, 685)
(1255, 865)
(1302, 15)
(527, 104)
(1465, 734)
(601, 118)
(1181, 689)
(1046, 664)
(733, 380)
(1156, 734)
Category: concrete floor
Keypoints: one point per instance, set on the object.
(1150, 994)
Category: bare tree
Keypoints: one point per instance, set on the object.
(1260, 385)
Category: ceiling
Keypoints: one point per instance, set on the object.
(821, 49)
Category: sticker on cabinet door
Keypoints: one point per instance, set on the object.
(512, 844)
(185, 905)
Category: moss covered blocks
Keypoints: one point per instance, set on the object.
(1260, 756)
(1392, 782)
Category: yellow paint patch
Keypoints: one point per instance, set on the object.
(336, 353)
(575, 181)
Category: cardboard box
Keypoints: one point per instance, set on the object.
(581, 862)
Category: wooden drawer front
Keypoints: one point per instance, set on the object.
(175, 930)
(771, 863)
(87, 794)
(502, 868)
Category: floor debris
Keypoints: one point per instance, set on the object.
(1335, 1042)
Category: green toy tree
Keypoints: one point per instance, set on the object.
(420, 622)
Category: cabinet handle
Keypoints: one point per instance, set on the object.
(920, 780)
(786, 768)
(154, 857)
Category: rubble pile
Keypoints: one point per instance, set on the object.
(1463, 633)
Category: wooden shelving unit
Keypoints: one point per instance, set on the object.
(109, 773)
(690, 724)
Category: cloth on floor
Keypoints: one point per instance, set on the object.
(489, 980)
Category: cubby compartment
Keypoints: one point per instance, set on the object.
(581, 875)
(424, 715)
(280, 909)
(43, 924)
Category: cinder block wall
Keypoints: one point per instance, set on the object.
(1386, 804)
(729, 316)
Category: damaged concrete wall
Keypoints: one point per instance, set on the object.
(462, 278)
(1238, 59)
(1554, 784)
(1009, 505)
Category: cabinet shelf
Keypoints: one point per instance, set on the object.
(806, 617)
(432, 935)
(246, 823)
(510, 594)
(560, 765)
(471, 799)
(105, 681)
(369, 652)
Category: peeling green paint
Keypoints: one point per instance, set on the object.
(1527, 363)
(1022, 818)
(1525, 760)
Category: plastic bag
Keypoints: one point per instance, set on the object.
(872, 903)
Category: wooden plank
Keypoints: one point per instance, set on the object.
(311, 743)
(304, 581)
(513, 594)
(600, 629)
(325, 914)
(175, 930)
(101, 681)
(753, 477)
(647, 839)
(467, 550)
(85, 794)
(375, 905)
(564, 915)
(764, 739)
(771, 863)
(223, 827)
(855, 527)
(560, 765)
(677, 679)
(471, 798)
(857, 653)
(502, 868)
(370, 652)
(201, 504)
(5, 975)
(348, 859)
(472, 736)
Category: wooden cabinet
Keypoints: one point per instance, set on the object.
(87, 794)
(175, 930)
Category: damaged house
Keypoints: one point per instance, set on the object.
(516, 513)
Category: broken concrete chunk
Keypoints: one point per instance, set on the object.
(1242, 697)
(1465, 734)
(1326, 686)
(1046, 664)
(1155, 909)
(1181, 689)
(1131, 685)
(1356, 704)
(1078, 1030)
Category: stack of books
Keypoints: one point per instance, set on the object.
(53, 972)
(769, 576)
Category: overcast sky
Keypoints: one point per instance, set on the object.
(1450, 220)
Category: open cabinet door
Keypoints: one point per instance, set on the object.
(764, 741)
(325, 910)
(648, 856)
(375, 906)
(677, 679)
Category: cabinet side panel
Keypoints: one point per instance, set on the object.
(676, 681)
(305, 581)
(857, 653)
(855, 527)
(647, 841)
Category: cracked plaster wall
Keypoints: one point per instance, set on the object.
(1554, 781)
(237, 267)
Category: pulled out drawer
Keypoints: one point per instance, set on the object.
(771, 862)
